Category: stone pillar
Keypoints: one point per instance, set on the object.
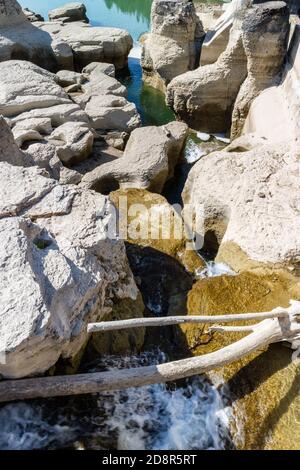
(173, 46)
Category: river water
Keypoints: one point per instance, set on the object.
(192, 415)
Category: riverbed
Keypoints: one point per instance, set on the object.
(192, 415)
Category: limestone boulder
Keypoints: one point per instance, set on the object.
(111, 112)
(25, 87)
(34, 104)
(263, 386)
(56, 44)
(250, 203)
(32, 16)
(102, 67)
(91, 44)
(73, 141)
(173, 46)
(9, 151)
(39, 110)
(206, 97)
(274, 114)
(266, 25)
(59, 269)
(148, 162)
(39, 154)
(69, 12)
(67, 78)
(154, 223)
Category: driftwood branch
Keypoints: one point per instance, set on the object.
(231, 329)
(265, 333)
(177, 320)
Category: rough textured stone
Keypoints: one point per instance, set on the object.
(265, 38)
(91, 44)
(148, 162)
(38, 109)
(251, 204)
(67, 78)
(69, 12)
(57, 44)
(74, 142)
(205, 97)
(25, 86)
(111, 112)
(172, 47)
(59, 269)
(32, 16)
(275, 113)
(107, 69)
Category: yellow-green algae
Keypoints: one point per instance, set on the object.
(265, 385)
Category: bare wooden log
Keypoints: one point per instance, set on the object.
(266, 332)
(231, 329)
(177, 320)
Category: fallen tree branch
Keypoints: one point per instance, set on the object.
(177, 320)
(231, 329)
(265, 333)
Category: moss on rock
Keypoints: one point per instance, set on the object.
(264, 386)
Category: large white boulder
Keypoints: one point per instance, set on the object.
(59, 269)
(39, 110)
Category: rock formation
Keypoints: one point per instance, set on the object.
(69, 12)
(59, 268)
(204, 98)
(264, 386)
(56, 44)
(251, 204)
(275, 113)
(265, 41)
(150, 157)
(32, 16)
(40, 110)
(173, 46)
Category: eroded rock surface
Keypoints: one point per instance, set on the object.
(69, 12)
(205, 97)
(56, 44)
(150, 157)
(39, 110)
(173, 46)
(59, 268)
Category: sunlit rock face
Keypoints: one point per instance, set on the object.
(172, 47)
(205, 98)
(56, 44)
(60, 267)
(11, 13)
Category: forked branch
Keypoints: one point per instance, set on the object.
(264, 333)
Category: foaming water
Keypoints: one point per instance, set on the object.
(192, 416)
(213, 269)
